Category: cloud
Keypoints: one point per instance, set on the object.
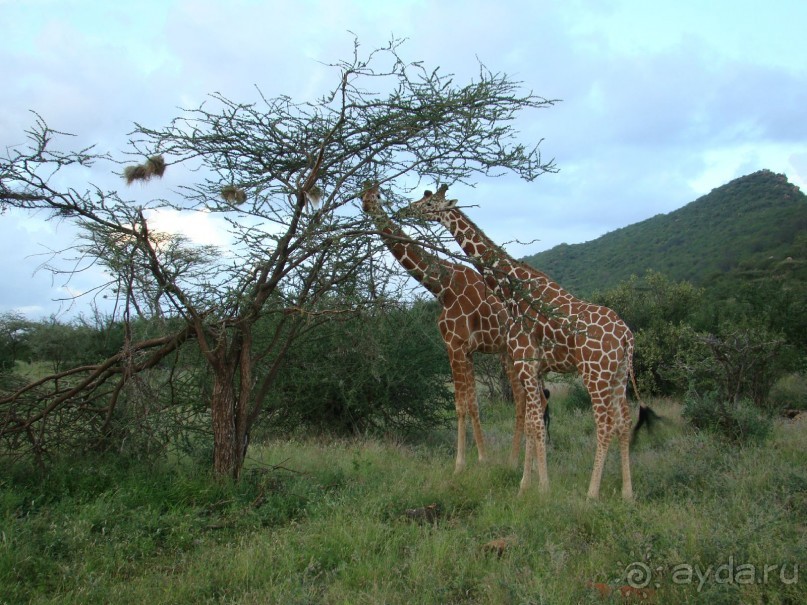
(660, 102)
(201, 228)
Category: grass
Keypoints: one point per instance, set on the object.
(325, 521)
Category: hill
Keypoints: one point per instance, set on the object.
(750, 221)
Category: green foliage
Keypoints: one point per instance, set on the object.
(158, 411)
(689, 340)
(324, 521)
(739, 362)
(789, 392)
(379, 371)
(143, 417)
(740, 421)
(651, 300)
(14, 329)
(492, 377)
(103, 516)
(748, 220)
(771, 293)
(577, 397)
(58, 344)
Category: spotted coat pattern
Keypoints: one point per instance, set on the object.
(551, 330)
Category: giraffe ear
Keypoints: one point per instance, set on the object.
(451, 203)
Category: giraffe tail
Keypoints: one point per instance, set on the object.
(648, 418)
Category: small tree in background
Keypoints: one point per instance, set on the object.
(15, 332)
(729, 376)
(740, 362)
(285, 176)
(382, 371)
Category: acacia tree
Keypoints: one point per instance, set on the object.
(285, 175)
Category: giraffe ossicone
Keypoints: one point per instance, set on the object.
(551, 330)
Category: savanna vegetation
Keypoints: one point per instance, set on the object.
(271, 424)
(322, 519)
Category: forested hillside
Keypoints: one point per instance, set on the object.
(751, 221)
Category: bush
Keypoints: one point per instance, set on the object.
(383, 371)
(492, 377)
(740, 421)
(577, 397)
(789, 392)
(738, 362)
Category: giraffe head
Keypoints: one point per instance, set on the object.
(370, 198)
(432, 205)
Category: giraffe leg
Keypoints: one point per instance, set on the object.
(599, 464)
(603, 441)
(529, 456)
(534, 423)
(473, 410)
(540, 449)
(604, 418)
(624, 440)
(465, 403)
(624, 451)
(459, 464)
(520, 398)
(619, 411)
(535, 451)
(458, 374)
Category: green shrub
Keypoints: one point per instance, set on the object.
(577, 397)
(789, 392)
(738, 361)
(740, 421)
(492, 377)
(384, 371)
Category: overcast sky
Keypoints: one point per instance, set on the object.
(661, 101)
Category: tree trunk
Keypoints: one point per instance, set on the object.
(222, 406)
(228, 438)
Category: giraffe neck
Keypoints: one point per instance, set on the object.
(424, 267)
(479, 246)
(474, 242)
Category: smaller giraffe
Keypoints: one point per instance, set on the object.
(551, 330)
(471, 320)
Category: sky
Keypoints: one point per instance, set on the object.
(660, 102)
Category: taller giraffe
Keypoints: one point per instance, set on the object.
(551, 330)
(472, 319)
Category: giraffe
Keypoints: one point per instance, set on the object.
(471, 320)
(551, 330)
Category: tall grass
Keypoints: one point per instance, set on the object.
(325, 521)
